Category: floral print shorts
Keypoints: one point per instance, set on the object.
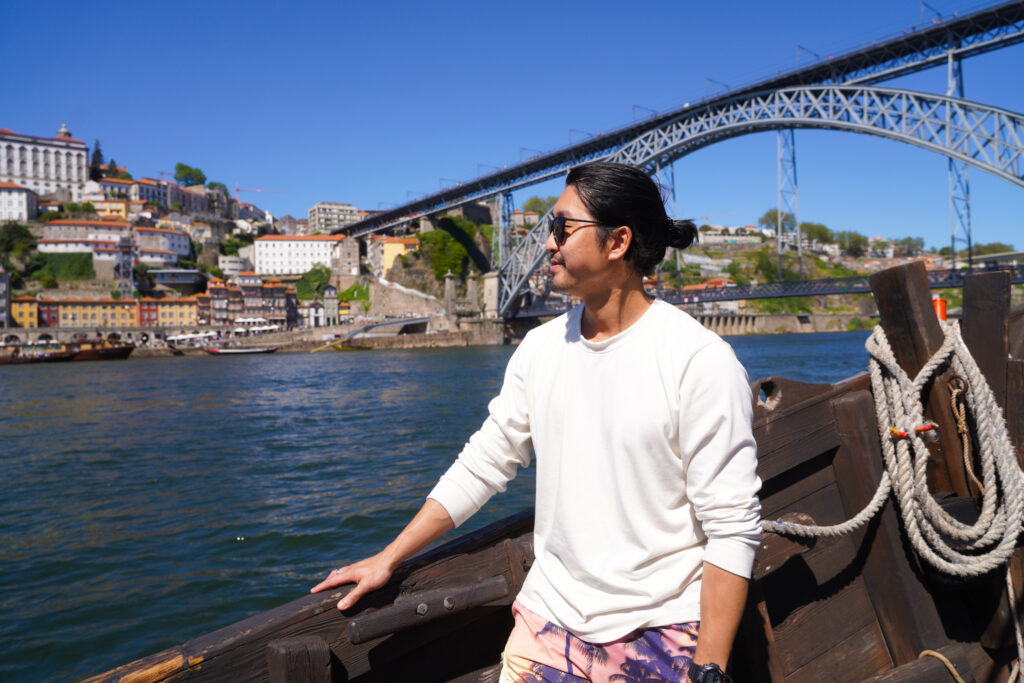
(541, 652)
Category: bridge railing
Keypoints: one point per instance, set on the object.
(937, 279)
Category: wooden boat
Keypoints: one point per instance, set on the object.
(228, 351)
(10, 357)
(859, 607)
(101, 350)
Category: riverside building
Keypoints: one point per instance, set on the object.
(46, 166)
(297, 254)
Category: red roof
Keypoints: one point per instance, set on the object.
(11, 132)
(300, 238)
(12, 186)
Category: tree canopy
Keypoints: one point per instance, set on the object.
(218, 186)
(853, 243)
(769, 220)
(540, 205)
(817, 232)
(186, 175)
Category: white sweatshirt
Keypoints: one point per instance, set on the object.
(645, 469)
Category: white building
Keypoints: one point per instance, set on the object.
(17, 203)
(327, 216)
(44, 165)
(148, 190)
(296, 254)
(80, 245)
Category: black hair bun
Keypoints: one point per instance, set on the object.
(680, 234)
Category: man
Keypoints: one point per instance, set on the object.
(647, 516)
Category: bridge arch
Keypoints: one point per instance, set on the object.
(988, 138)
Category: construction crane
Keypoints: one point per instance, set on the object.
(250, 189)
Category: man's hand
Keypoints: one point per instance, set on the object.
(368, 575)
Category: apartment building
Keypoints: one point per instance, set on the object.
(325, 217)
(297, 254)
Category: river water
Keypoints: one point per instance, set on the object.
(146, 502)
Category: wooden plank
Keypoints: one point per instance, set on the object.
(299, 660)
(755, 657)
(786, 441)
(784, 492)
(822, 625)
(775, 550)
(928, 668)
(985, 327)
(912, 328)
(904, 607)
(862, 654)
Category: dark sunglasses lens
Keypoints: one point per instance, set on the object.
(558, 229)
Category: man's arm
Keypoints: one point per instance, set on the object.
(370, 574)
(722, 598)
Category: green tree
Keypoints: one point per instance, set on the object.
(852, 243)
(540, 205)
(111, 168)
(176, 206)
(313, 281)
(47, 279)
(909, 246)
(95, 172)
(991, 248)
(12, 235)
(769, 220)
(817, 233)
(218, 186)
(87, 207)
(186, 175)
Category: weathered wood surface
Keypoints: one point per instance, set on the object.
(963, 656)
(906, 313)
(299, 660)
(985, 327)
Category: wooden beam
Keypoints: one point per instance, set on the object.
(985, 327)
(905, 310)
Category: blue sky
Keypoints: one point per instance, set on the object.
(371, 103)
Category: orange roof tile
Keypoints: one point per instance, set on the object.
(112, 224)
(12, 186)
(118, 181)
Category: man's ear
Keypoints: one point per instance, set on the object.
(617, 242)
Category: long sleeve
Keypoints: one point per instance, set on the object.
(491, 457)
(721, 480)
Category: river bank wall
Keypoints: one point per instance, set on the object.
(497, 332)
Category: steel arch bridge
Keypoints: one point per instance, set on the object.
(989, 138)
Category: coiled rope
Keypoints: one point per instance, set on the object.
(947, 544)
(955, 548)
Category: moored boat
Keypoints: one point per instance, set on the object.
(858, 606)
(241, 350)
(16, 356)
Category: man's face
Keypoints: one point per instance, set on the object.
(577, 264)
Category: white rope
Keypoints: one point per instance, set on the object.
(954, 548)
(950, 546)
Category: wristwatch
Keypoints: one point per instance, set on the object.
(707, 673)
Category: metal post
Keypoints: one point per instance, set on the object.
(788, 198)
(959, 183)
(503, 232)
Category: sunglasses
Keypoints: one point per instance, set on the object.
(557, 227)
